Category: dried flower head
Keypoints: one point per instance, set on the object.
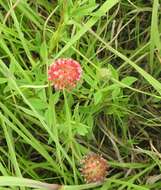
(93, 168)
(64, 73)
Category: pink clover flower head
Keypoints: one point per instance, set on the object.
(64, 73)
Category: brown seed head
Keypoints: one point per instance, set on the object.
(93, 168)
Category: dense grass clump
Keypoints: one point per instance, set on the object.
(114, 110)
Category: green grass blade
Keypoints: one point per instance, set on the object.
(155, 83)
(155, 34)
(102, 11)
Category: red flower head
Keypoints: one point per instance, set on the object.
(64, 73)
(93, 168)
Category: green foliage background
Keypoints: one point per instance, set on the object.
(114, 110)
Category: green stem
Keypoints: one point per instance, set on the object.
(80, 187)
(23, 182)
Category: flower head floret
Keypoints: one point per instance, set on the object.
(64, 73)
